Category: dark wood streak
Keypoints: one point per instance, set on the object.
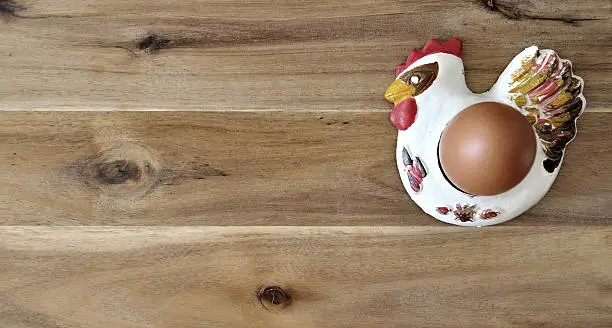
(180, 172)
(511, 11)
(150, 44)
(8, 8)
(153, 42)
(207, 32)
(131, 170)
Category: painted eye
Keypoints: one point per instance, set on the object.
(421, 77)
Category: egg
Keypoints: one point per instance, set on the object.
(487, 149)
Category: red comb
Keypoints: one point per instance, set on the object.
(450, 46)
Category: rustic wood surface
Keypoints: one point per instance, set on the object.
(272, 168)
(326, 277)
(276, 55)
(248, 179)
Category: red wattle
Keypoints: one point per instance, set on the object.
(404, 114)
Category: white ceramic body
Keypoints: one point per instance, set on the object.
(446, 97)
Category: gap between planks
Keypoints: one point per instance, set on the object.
(112, 109)
(89, 238)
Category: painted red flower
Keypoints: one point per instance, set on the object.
(443, 210)
(488, 214)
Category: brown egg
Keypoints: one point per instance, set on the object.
(487, 149)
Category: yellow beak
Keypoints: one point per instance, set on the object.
(399, 91)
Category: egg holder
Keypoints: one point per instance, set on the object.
(537, 83)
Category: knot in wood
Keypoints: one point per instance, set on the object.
(9, 8)
(153, 43)
(119, 171)
(273, 298)
(125, 170)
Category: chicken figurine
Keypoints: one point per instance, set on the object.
(481, 159)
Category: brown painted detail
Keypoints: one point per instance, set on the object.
(511, 11)
(421, 77)
(468, 213)
(273, 298)
(465, 213)
(550, 96)
(9, 8)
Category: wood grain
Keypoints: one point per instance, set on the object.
(266, 194)
(269, 168)
(336, 277)
(276, 55)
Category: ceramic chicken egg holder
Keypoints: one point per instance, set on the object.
(537, 83)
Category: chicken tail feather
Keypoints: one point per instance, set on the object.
(544, 88)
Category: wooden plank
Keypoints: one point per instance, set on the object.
(335, 277)
(238, 168)
(278, 55)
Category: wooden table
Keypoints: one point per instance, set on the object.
(230, 164)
